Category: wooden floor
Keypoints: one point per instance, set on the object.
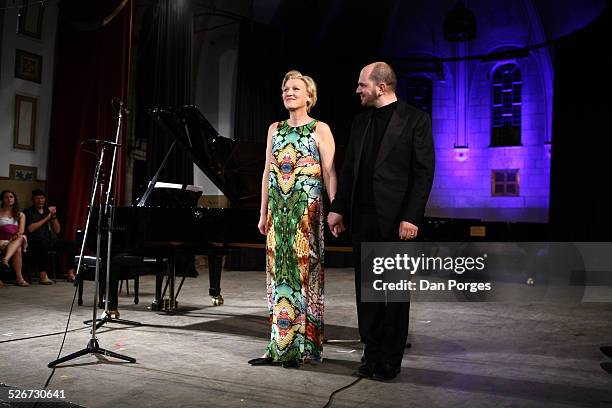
(463, 354)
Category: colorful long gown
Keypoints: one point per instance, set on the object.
(294, 266)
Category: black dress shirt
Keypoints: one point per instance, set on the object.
(364, 194)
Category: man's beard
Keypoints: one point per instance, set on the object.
(368, 100)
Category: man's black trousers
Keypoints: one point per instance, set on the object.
(383, 326)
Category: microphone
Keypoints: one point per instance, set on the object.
(118, 106)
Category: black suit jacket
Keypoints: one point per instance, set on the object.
(403, 173)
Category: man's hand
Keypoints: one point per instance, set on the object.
(53, 221)
(336, 225)
(407, 231)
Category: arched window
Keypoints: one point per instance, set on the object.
(507, 84)
(418, 92)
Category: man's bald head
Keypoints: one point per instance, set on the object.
(382, 73)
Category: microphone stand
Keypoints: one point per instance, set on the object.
(109, 212)
(93, 346)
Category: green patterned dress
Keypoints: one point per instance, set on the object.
(294, 247)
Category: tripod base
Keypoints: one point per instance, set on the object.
(92, 348)
(108, 318)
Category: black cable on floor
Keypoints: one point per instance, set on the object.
(40, 335)
(331, 396)
(63, 341)
(59, 353)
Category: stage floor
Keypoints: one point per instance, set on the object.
(462, 355)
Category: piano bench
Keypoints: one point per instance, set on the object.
(123, 267)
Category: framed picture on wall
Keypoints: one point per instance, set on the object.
(22, 173)
(28, 66)
(31, 18)
(25, 122)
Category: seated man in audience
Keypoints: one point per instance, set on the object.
(42, 228)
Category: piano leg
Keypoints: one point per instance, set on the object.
(136, 287)
(159, 280)
(172, 279)
(214, 270)
(80, 283)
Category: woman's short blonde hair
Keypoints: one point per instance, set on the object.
(311, 86)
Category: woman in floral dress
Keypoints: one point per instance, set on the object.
(299, 165)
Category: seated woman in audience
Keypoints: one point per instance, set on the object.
(12, 240)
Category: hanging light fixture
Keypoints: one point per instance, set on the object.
(460, 24)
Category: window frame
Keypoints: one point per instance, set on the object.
(505, 183)
(506, 105)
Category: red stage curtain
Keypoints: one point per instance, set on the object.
(91, 67)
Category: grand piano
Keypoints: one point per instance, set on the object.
(166, 229)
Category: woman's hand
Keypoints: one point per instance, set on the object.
(263, 224)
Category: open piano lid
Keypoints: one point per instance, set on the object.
(234, 167)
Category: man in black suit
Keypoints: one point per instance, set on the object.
(382, 192)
